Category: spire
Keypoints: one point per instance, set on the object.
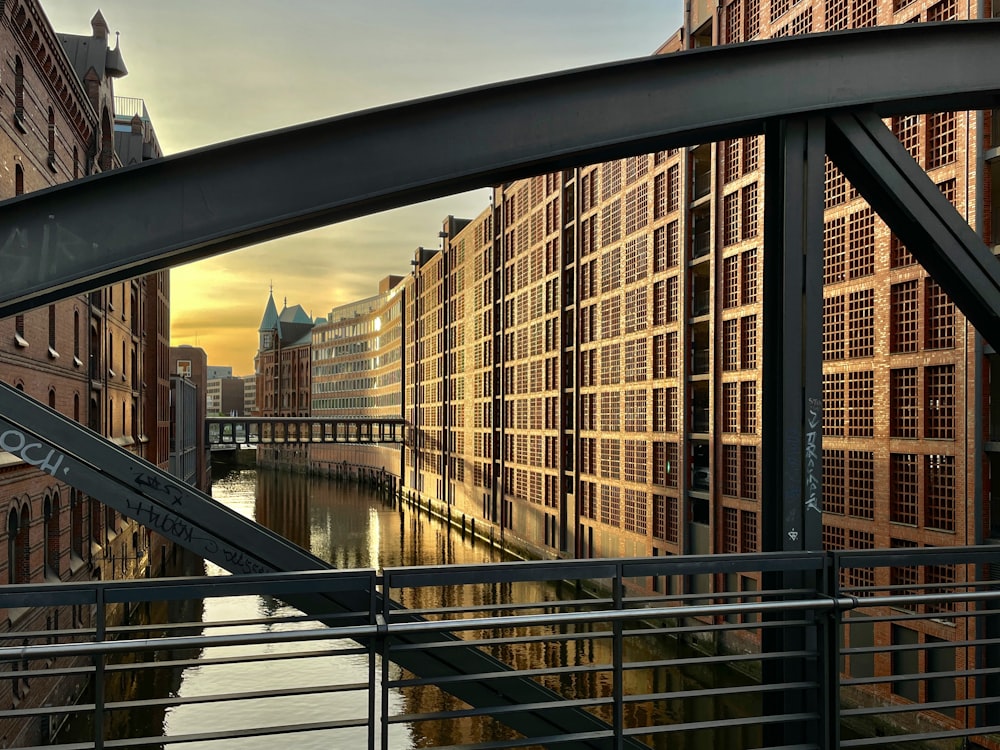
(270, 320)
(98, 26)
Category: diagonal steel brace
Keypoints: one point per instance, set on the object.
(885, 174)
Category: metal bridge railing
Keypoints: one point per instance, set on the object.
(668, 652)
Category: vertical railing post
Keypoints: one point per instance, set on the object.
(384, 631)
(100, 634)
(618, 684)
(831, 626)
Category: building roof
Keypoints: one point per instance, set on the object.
(94, 52)
(293, 324)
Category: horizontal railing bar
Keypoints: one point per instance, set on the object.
(212, 661)
(902, 615)
(232, 734)
(488, 676)
(695, 726)
(702, 627)
(234, 697)
(922, 737)
(552, 739)
(497, 710)
(31, 674)
(911, 707)
(709, 692)
(918, 646)
(848, 681)
(511, 640)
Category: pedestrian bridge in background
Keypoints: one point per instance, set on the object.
(237, 431)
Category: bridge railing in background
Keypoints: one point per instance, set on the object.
(669, 652)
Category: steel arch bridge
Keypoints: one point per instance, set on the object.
(812, 96)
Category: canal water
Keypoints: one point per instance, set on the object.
(351, 527)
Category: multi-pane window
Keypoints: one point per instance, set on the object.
(939, 508)
(635, 309)
(941, 139)
(672, 423)
(659, 356)
(731, 530)
(611, 453)
(939, 387)
(673, 299)
(635, 461)
(861, 323)
(636, 208)
(749, 263)
(861, 258)
(731, 344)
(635, 511)
(611, 505)
(833, 327)
(673, 188)
(834, 254)
(833, 403)
(748, 531)
(903, 420)
(940, 332)
(748, 345)
(635, 411)
(731, 281)
(861, 404)
(732, 150)
(946, 10)
(731, 218)
(660, 195)
(730, 407)
(861, 484)
(636, 260)
(904, 316)
(748, 406)
(731, 470)
(673, 360)
(750, 153)
(748, 207)
(903, 489)
(748, 471)
(834, 484)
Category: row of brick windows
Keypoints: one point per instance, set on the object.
(922, 490)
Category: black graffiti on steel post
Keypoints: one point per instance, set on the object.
(814, 417)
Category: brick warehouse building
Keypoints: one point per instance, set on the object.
(583, 361)
(97, 358)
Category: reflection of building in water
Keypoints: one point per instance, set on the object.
(282, 505)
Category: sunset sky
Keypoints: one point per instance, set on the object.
(214, 70)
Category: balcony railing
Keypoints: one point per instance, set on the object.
(716, 651)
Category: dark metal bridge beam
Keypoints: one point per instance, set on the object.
(73, 454)
(58, 241)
